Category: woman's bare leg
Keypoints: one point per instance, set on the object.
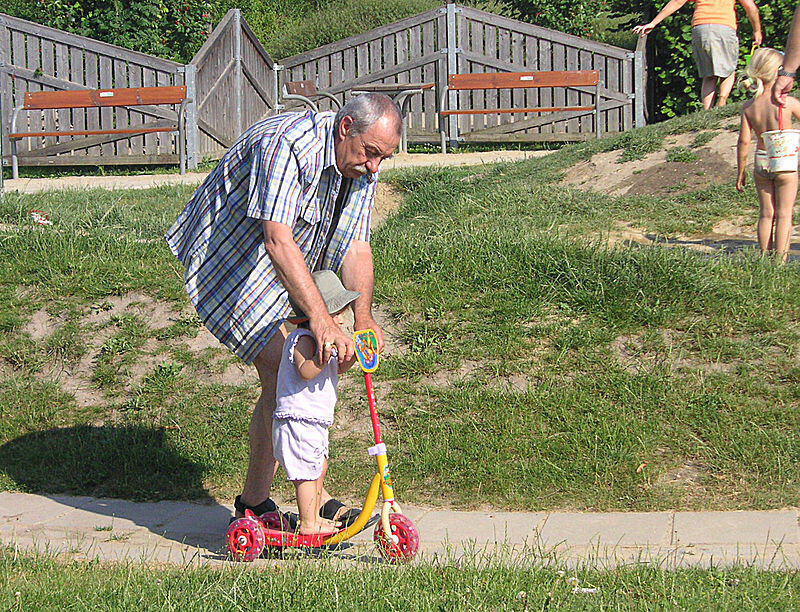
(766, 211)
(785, 194)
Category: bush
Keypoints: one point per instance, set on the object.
(172, 29)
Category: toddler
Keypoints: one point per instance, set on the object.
(306, 395)
(776, 190)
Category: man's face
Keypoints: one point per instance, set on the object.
(358, 154)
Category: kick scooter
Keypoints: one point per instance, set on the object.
(395, 534)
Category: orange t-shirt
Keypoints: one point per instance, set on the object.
(720, 12)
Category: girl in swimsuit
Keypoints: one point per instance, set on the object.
(776, 191)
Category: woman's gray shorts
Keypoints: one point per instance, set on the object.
(716, 49)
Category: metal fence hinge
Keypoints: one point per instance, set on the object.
(630, 55)
(443, 10)
(280, 107)
(445, 50)
(277, 67)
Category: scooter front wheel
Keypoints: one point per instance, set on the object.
(245, 538)
(402, 543)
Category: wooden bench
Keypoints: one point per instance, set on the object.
(517, 80)
(305, 91)
(101, 98)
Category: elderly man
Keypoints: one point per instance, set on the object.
(291, 196)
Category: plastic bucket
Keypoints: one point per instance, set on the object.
(782, 146)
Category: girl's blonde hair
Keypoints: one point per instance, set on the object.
(762, 70)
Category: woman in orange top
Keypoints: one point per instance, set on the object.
(715, 45)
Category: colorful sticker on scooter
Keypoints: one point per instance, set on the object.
(386, 478)
(366, 349)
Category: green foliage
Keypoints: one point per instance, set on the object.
(172, 29)
(337, 21)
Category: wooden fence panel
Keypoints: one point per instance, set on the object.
(40, 58)
(236, 84)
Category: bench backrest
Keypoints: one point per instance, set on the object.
(302, 88)
(512, 80)
(87, 98)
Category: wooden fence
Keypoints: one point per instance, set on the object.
(236, 84)
(230, 80)
(233, 82)
(455, 39)
(34, 57)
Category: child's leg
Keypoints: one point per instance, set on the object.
(766, 211)
(309, 494)
(785, 194)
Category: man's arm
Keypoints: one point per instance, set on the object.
(669, 8)
(358, 275)
(791, 60)
(292, 271)
(751, 10)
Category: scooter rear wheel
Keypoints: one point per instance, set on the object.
(245, 538)
(402, 544)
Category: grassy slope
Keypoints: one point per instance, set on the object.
(543, 370)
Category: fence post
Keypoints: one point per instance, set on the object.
(5, 98)
(189, 74)
(237, 71)
(639, 82)
(452, 68)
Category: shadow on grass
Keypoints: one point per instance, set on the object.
(91, 469)
(725, 245)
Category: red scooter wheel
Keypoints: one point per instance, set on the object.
(245, 537)
(402, 544)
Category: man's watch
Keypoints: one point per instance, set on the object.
(782, 72)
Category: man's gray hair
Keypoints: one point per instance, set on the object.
(365, 109)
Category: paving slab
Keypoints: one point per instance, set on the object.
(607, 528)
(759, 528)
(189, 533)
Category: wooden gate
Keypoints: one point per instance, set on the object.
(231, 81)
(456, 39)
(235, 84)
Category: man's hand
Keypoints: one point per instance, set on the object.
(369, 323)
(781, 88)
(330, 336)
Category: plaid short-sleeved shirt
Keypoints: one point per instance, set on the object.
(281, 169)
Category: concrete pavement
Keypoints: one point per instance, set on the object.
(193, 533)
(32, 185)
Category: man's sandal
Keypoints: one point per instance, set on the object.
(330, 508)
(266, 506)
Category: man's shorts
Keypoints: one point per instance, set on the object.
(301, 447)
(716, 50)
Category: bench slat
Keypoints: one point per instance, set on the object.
(87, 98)
(488, 111)
(94, 132)
(512, 80)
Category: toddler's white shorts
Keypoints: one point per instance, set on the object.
(301, 447)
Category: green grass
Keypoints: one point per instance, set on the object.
(541, 369)
(479, 582)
